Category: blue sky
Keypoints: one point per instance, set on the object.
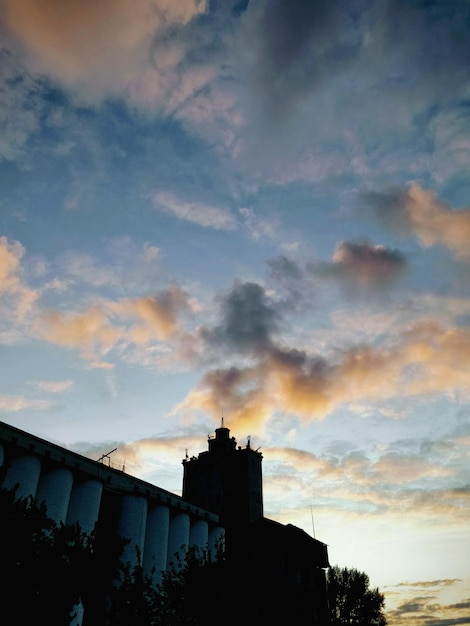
(258, 210)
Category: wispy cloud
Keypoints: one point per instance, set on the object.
(428, 609)
(196, 212)
(20, 107)
(16, 298)
(82, 266)
(12, 404)
(54, 386)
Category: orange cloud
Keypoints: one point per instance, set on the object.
(432, 221)
(435, 222)
(91, 332)
(18, 298)
(105, 324)
(426, 359)
(97, 45)
(12, 404)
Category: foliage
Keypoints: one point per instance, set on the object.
(351, 600)
(51, 567)
(190, 594)
(193, 589)
(43, 562)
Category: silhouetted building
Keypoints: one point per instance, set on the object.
(277, 572)
(226, 480)
(75, 489)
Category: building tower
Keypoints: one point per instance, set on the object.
(278, 570)
(226, 479)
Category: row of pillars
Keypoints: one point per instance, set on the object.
(156, 533)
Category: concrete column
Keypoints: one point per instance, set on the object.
(156, 542)
(24, 471)
(178, 539)
(132, 520)
(79, 610)
(216, 540)
(199, 534)
(54, 489)
(84, 505)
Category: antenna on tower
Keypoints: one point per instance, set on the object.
(106, 456)
(313, 525)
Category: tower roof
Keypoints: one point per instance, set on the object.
(222, 441)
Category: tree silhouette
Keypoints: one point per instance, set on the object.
(351, 601)
(195, 589)
(43, 562)
(51, 567)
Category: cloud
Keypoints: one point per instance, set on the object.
(157, 316)
(249, 319)
(420, 212)
(322, 80)
(20, 107)
(451, 137)
(125, 266)
(258, 227)
(195, 212)
(104, 324)
(426, 358)
(297, 44)
(16, 299)
(54, 386)
(430, 583)
(283, 268)
(91, 331)
(100, 47)
(362, 266)
(83, 267)
(402, 469)
(109, 323)
(150, 458)
(359, 482)
(427, 611)
(12, 404)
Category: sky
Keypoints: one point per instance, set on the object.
(255, 210)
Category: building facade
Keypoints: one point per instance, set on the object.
(284, 568)
(278, 570)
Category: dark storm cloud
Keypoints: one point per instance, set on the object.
(362, 265)
(249, 318)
